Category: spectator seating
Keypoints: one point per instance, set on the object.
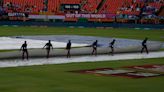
(131, 7)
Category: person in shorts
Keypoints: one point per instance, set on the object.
(24, 50)
(48, 47)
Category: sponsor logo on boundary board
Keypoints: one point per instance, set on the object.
(143, 71)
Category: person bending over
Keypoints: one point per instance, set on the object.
(111, 45)
(94, 47)
(144, 46)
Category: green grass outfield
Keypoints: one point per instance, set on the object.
(56, 78)
(118, 33)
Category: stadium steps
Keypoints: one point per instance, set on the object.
(100, 5)
(161, 12)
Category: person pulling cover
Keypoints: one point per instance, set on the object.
(68, 48)
(94, 46)
(144, 45)
(111, 45)
(24, 50)
(48, 48)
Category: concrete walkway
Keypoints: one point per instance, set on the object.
(62, 60)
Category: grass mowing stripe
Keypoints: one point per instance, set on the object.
(117, 33)
(56, 78)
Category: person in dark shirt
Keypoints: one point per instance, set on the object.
(144, 45)
(68, 48)
(24, 50)
(111, 45)
(48, 47)
(94, 46)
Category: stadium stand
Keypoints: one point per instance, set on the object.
(124, 10)
(87, 6)
(31, 6)
(90, 6)
(53, 6)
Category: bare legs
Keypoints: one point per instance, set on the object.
(23, 54)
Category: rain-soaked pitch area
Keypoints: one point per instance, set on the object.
(124, 49)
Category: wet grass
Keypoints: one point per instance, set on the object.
(57, 78)
(7, 50)
(116, 33)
